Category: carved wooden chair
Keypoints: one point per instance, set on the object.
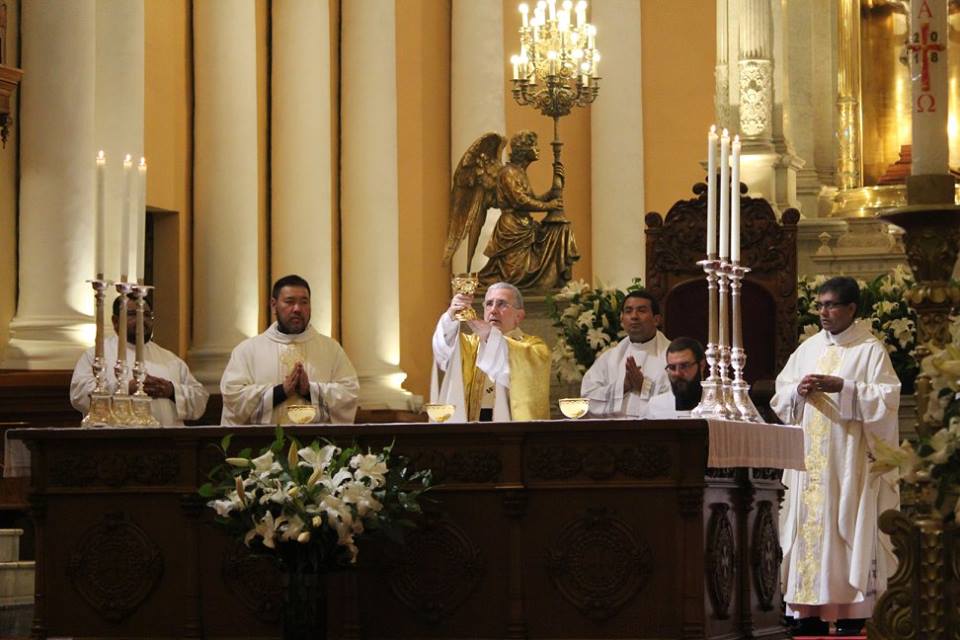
(675, 243)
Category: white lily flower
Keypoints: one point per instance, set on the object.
(369, 466)
(266, 529)
(317, 458)
(266, 463)
(597, 338)
(238, 462)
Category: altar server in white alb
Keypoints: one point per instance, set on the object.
(622, 380)
(176, 394)
(840, 386)
(289, 363)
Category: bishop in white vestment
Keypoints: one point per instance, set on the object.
(841, 387)
(289, 363)
(622, 380)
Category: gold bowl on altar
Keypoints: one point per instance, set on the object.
(301, 413)
(439, 412)
(574, 407)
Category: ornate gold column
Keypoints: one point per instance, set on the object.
(721, 70)
(849, 163)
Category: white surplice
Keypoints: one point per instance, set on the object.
(603, 382)
(835, 560)
(260, 363)
(189, 396)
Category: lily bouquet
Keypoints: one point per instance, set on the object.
(935, 460)
(319, 496)
(588, 323)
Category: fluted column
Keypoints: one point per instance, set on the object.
(616, 157)
(476, 94)
(302, 172)
(369, 202)
(755, 65)
(57, 149)
(849, 162)
(226, 277)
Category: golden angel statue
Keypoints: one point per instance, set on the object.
(530, 254)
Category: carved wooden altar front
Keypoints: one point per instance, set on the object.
(593, 529)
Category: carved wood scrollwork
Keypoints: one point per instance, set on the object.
(599, 563)
(558, 462)
(721, 560)
(460, 466)
(114, 566)
(767, 556)
(436, 570)
(677, 241)
(255, 581)
(115, 469)
(893, 615)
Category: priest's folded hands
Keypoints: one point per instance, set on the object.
(819, 382)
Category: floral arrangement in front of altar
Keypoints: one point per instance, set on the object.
(588, 323)
(319, 495)
(883, 305)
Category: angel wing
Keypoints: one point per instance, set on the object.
(474, 191)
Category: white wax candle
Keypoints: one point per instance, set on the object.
(735, 201)
(141, 218)
(100, 226)
(712, 191)
(125, 218)
(581, 13)
(724, 195)
(523, 14)
(515, 61)
(552, 8)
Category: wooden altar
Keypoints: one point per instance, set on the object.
(590, 529)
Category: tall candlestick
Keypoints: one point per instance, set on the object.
(141, 217)
(100, 225)
(712, 191)
(581, 13)
(125, 218)
(724, 195)
(735, 202)
(524, 9)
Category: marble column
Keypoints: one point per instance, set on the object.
(369, 203)
(721, 72)
(755, 67)
(476, 94)
(302, 167)
(53, 322)
(616, 154)
(226, 271)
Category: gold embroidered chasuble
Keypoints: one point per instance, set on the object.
(529, 361)
(836, 562)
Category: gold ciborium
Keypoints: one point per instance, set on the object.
(439, 412)
(574, 407)
(465, 283)
(301, 413)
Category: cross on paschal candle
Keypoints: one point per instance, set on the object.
(928, 48)
(925, 50)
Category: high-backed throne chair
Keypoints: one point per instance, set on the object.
(675, 243)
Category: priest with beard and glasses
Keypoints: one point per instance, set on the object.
(176, 395)
(686, 366)
(622, 380)
(289, 363)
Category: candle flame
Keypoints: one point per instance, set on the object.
(101, 158)
(143, 162)
(713, 129)
(524, 8)
(128, 160)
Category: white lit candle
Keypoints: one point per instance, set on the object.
(724, 195)
(596, 64)
(125, 218)
(581, 13)
(523, 14)
(552, 62)
(591, 36)
(552, 8)
(141, 217)
(515, 61)
(100, 225)
(735, 201)
(712, 191)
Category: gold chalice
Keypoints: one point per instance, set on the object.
(301, 413)
(574, 407)
(465, 283)
(439, 412)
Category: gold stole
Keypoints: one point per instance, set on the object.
(529, 359)
(824, 411)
